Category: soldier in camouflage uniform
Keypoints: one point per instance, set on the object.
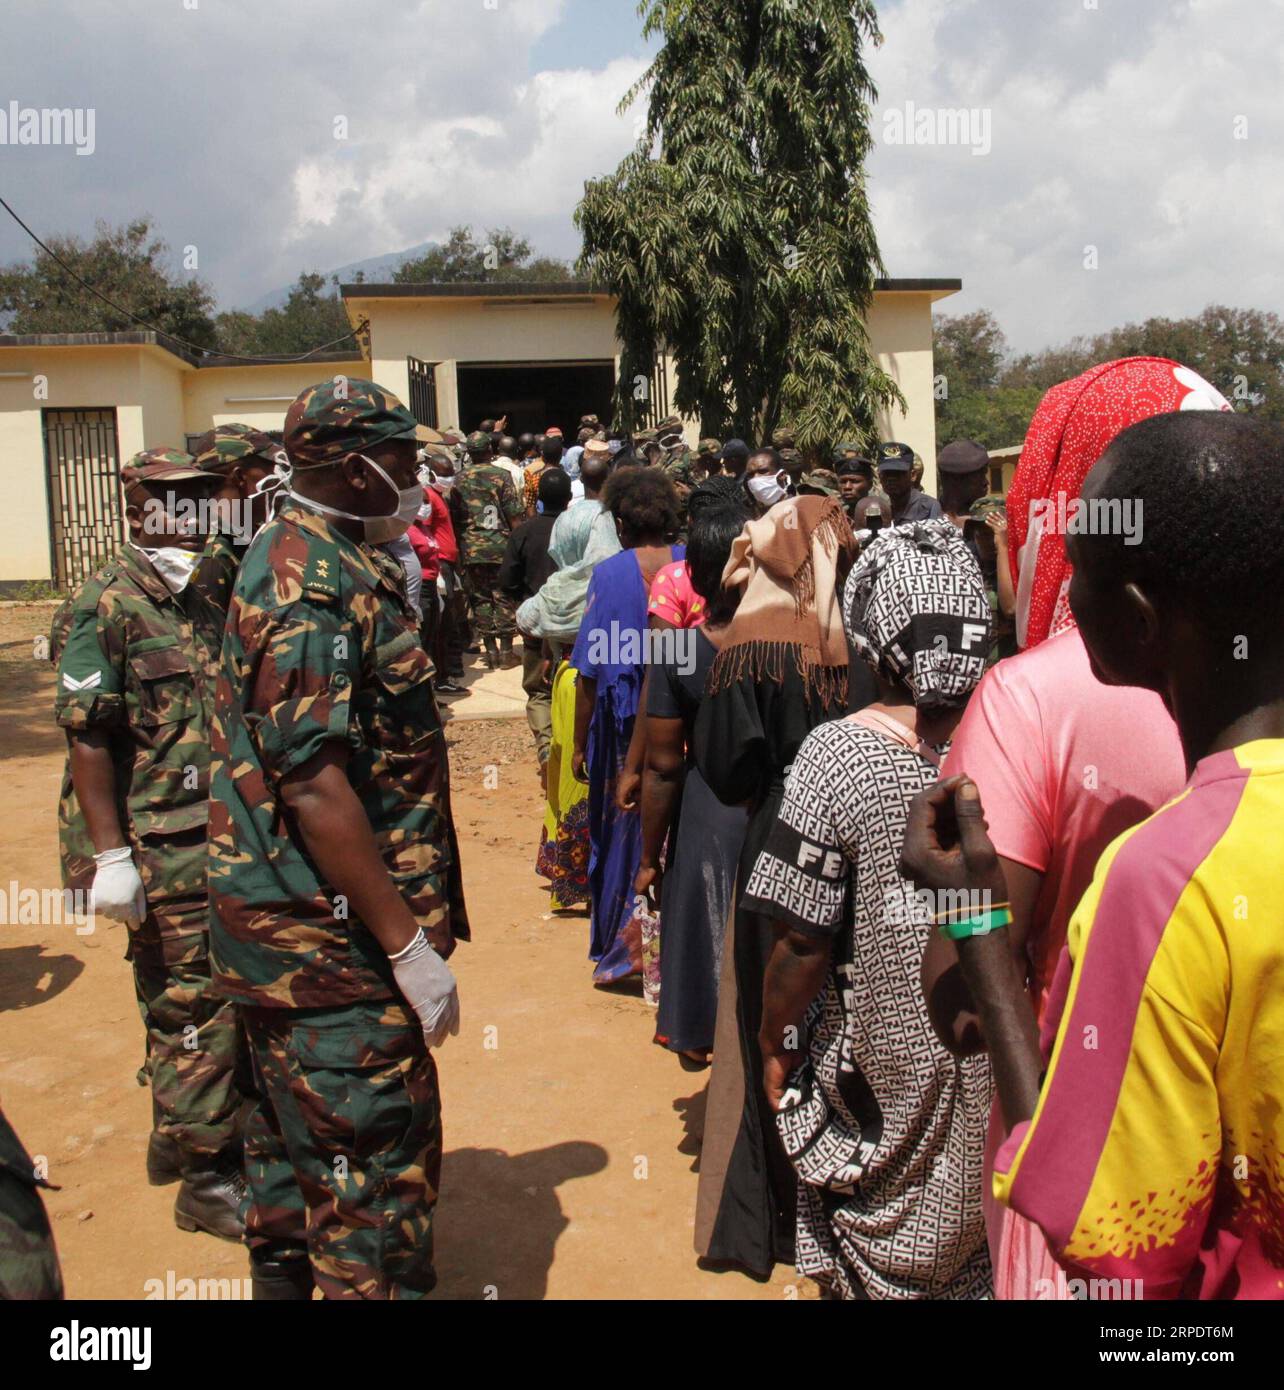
(246, 465)
(135, 649)
(28, 1260)
(706, 459)
(492, 510)
(332, 853)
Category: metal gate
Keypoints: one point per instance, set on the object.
(657, 403)
(423, 391)
(82, 464)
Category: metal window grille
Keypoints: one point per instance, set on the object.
(423, 391)
(82, 465)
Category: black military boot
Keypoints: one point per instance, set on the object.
(281, 1281)
(492, 654)
(164, 1162)
(508, 658)
(212, 1199)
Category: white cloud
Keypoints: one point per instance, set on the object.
(1111, 127)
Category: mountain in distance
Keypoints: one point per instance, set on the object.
(378, 269)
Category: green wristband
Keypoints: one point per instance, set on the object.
(982, 924)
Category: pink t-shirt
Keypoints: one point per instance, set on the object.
(1064, 764)
(673, 598)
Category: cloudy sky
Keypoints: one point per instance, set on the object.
(1149, 130)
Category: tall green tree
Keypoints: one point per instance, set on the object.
(737, 235)
(311, 316)
(129, 264)
(500, 256)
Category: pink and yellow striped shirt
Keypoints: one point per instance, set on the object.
(1156, 1153)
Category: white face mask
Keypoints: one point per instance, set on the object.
(767, 489)
(443, 485)
(174, 565)
(378, 530)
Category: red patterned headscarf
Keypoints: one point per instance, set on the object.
(1073, 426)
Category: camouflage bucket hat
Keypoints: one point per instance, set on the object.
(159, 465)
(708, 448)
(479, 442)
(218, 449)
(986, 506)
(820, 480)
(345, 415)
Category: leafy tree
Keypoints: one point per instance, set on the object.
(991, 397)
(737, 234)
(128, 264)
(502, 256)
(309, 318)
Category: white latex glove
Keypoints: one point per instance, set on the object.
(430, 989)
(117, 890)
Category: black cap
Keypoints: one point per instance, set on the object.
(896, 458)
(962, 456)
(735, 449)
(846, 467)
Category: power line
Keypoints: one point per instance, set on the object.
(192, 347)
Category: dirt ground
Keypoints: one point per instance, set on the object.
(571, 1140)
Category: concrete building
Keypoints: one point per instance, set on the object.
(74, 406)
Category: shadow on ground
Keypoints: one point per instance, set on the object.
(500, 1218)
(28, 976)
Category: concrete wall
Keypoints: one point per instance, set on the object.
(139, 382)
(257, 395)
(900, 332)
(480, 330)
(452, 331)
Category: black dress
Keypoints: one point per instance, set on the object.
(746, 736)
(700, 879)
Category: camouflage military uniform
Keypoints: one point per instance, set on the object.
(217, 451)
(492, 511)
(135, 662)
(28, 1260)
(343, 1148)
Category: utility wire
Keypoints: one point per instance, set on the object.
(192, 347)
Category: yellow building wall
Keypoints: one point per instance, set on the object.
(479, 330)
(900, 333)
(138, 381)
(257, 395)
(454, 331)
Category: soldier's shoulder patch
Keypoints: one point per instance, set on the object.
(321, 570)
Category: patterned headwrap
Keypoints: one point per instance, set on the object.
(1073, 426)
(916, 610)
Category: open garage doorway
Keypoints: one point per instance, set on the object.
(535, 395)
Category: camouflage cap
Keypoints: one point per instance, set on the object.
(218, 449)
(987, 505)
(341, 416)
(479, 442)
(783, 437)
(708, 448)
(645, 436)
(789, 455)
(820, 480)
(668, 424)
(159, 465)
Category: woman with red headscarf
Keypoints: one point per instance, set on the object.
(1064, 763)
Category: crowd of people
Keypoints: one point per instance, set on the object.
(935, 829)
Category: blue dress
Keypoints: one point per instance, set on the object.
(610, 650)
